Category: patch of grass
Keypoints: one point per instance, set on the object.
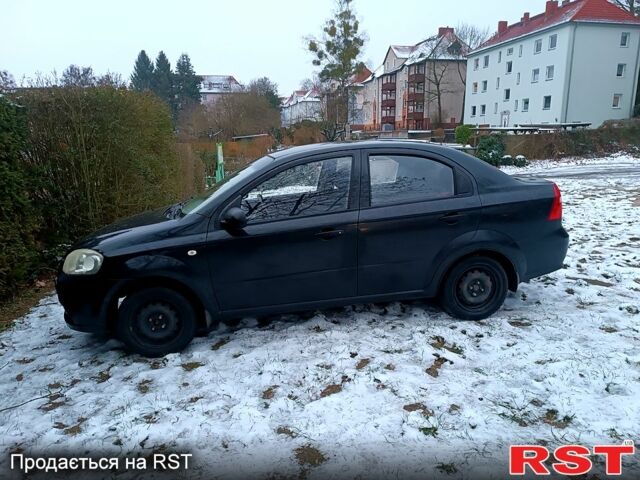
(331, 390)
(433, 370)
(551, 417)
(440, 343)
(429, 431)
(286, 431)
(220, 343)
(19, 377)
(418, 407)
(363, 363)
(103, 376)
(308, 455)
(270, 392)
(608, 329)
(448, 468)
(390, 366)
(143, 386)
(190, 366)
(21, 304)
(25, 361)
(519, 323)
(75, 429)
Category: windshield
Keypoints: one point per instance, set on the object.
(198, 202)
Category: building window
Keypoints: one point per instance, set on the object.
(537, 47)
(525, 104)
(624, 39)
(495, 108)
(388, 95)
(553, 42)
(535, 75)
(474, 88)
(507, 94)
(500, 56)
(509, 51)
(520, 51)
(515, 106)
(486, 61)
(485, 84)
(497, 83)
(518, 78)
(476, 63)
(617, 100)
(388, 111)
(550, 72)
(509, 67)
(473, 111)
(622, 68)
(483, 110)
(546, 102)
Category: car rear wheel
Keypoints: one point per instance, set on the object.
(156, 321)
(474, 289)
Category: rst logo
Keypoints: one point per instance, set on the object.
(569, 459)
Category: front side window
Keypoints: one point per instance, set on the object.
(484, 85)
(546, 102)
(486, 61)
(550, 72)
(476, 63)
(622, 68)
(313, 188)
(507, 94)
(537, 47)
(617, 100)
(483, 110)
(515, 106)
(553, 42)
(525, 105)
(535, 75)
(475, 87)
(520, 51)
(397, 179)
(509, 51)
(518, 78)
(473, 111)
(624, 39)
(509, 67)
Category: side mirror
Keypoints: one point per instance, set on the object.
(233, 219)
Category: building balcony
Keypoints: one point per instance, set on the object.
(389, 86)
(415, 97)
(416, 77)
(391, 102)
(415, 115)
(388, 119)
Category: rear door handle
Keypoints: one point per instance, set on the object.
(329, 233)
(452, 218)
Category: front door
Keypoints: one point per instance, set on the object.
(413, 206)
(299, 245)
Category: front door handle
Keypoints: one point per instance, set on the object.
(329, 233)
(452, 218)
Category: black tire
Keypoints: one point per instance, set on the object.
(156, 321)
(474, 289)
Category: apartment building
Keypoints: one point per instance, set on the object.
(301, 105)
(575, 62)
(214, 86)
(418, 87)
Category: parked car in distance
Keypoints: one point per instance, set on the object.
(315, 227)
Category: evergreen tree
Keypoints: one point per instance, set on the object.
(142, 77)
(186, 83)
(162, 84)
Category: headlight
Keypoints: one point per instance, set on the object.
(82, 262)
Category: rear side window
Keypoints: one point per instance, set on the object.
(313, 188)
(399, 179)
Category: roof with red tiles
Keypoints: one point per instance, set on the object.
(598, 11)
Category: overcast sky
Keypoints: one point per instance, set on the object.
(244, 38)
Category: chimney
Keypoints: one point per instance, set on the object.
(552, 6)
(525, 18)
(442, 31)
(502, 26)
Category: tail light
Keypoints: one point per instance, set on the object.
(556, 206)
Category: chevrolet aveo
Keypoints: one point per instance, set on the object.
(315, 227)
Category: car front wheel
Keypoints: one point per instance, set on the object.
(474, 289)
(156, 321)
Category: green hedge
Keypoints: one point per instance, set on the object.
(73, 160)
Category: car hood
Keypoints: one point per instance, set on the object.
(142, 231)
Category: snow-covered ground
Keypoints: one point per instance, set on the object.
(398, 390)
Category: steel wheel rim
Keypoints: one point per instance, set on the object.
(476, 288)
(156, 323)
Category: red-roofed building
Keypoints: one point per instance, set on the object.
(575, 62)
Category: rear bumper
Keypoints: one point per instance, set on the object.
(85, 301)
(546, 254)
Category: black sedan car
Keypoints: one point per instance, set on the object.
(315, 227)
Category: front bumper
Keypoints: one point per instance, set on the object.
(86, 301)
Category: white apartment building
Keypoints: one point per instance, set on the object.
(301, 105)
(576, 62)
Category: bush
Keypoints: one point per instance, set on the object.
(491, 149)
(18, 221)
(463, 134)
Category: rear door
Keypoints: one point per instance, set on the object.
(412, 205)
(299, 245)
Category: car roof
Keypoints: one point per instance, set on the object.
(485, 174)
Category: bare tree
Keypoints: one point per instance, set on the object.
(472, 35)
(7, 83)
(632, 6)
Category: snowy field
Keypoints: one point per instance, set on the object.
(384, 391)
